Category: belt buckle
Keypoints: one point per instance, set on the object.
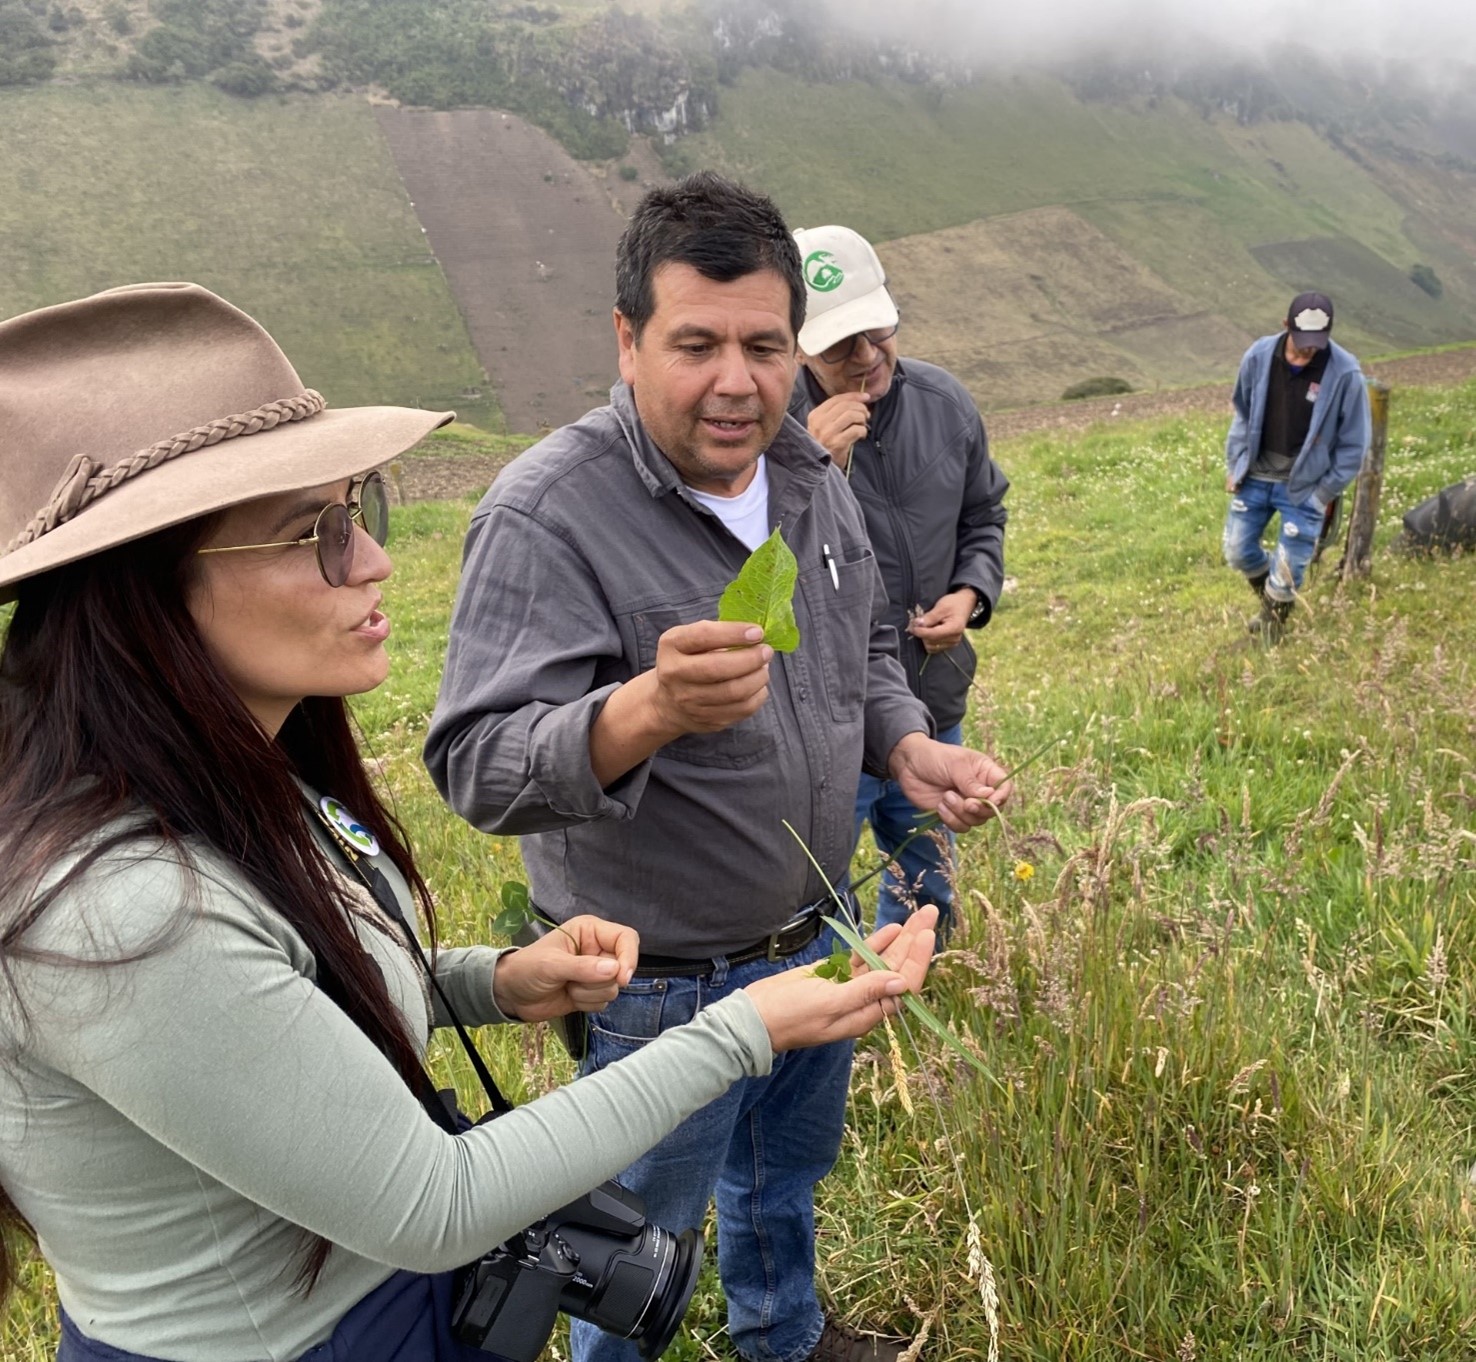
(798, 923)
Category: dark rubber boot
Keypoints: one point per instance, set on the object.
(1270, 625)
(843, 1343)
(1258, 583)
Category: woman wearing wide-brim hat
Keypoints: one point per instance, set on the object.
(213, 1115)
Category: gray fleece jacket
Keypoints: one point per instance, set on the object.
(934, 506)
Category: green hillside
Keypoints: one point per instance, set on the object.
(290, 207)
(1042, 229)
(1233, 217)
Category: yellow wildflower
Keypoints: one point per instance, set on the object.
(1024, 870)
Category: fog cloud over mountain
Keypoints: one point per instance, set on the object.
(1434, 37)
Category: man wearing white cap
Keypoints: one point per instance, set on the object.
(912, 443)
(1297, 440)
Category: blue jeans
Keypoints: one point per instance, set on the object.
(1251, 509)
(926, 867)
(761, 1148)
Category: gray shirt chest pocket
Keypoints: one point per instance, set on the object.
(836, 624)
(742, 744)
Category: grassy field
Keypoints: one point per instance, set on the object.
(1219, 955)
(290, 207)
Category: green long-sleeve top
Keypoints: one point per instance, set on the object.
(170, 1126)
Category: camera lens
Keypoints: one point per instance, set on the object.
(638, 1288)
(670, 1298)
(598, 1259)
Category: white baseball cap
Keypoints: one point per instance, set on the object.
(845, 287)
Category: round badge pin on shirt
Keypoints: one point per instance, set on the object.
(348, 827)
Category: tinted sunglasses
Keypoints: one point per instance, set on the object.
(843, 349)
(333, 531)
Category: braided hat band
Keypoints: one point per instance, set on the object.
(85, 480)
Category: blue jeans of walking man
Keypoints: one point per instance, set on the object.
(1251, 509)
(761, 1148)
(926, 863)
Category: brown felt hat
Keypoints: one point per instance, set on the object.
(130, 411)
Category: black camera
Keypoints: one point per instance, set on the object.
(598, 1259)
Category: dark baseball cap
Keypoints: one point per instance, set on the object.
(1309, 319)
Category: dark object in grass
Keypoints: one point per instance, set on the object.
(1426, 278)
(1446, 521)
(1096, 387)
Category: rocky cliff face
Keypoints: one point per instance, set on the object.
(592, 76)
(623, 68)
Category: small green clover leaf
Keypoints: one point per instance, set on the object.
(763, 594)
(837, 966)
(842, 928)
(518, 912)
(517, 909)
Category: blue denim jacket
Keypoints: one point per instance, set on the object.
(1333, 451)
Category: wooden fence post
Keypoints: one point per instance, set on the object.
(1357, 560)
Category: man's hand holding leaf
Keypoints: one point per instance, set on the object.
(710, 675)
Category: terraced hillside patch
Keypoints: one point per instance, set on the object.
(526, 236)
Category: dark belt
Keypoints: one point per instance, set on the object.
(791, 938)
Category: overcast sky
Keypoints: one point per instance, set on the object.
(1433, 34)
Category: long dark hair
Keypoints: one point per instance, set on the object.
(110, 705)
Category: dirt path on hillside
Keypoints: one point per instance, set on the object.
(526, 236)
(430, 477)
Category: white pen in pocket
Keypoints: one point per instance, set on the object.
(829, 562)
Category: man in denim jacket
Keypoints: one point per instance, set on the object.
(1297, 440)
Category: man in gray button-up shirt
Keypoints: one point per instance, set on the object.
(649, 755)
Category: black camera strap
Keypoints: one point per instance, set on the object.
(440, 1106)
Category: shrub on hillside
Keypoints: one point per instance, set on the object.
(1096, 387)
(248, 78)
(195, 38)
(26, 54)
(1427, 279)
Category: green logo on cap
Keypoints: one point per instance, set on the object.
(822, 273)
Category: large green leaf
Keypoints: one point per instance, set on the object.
(763, 594)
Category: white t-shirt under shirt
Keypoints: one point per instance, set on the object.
(747, 514)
